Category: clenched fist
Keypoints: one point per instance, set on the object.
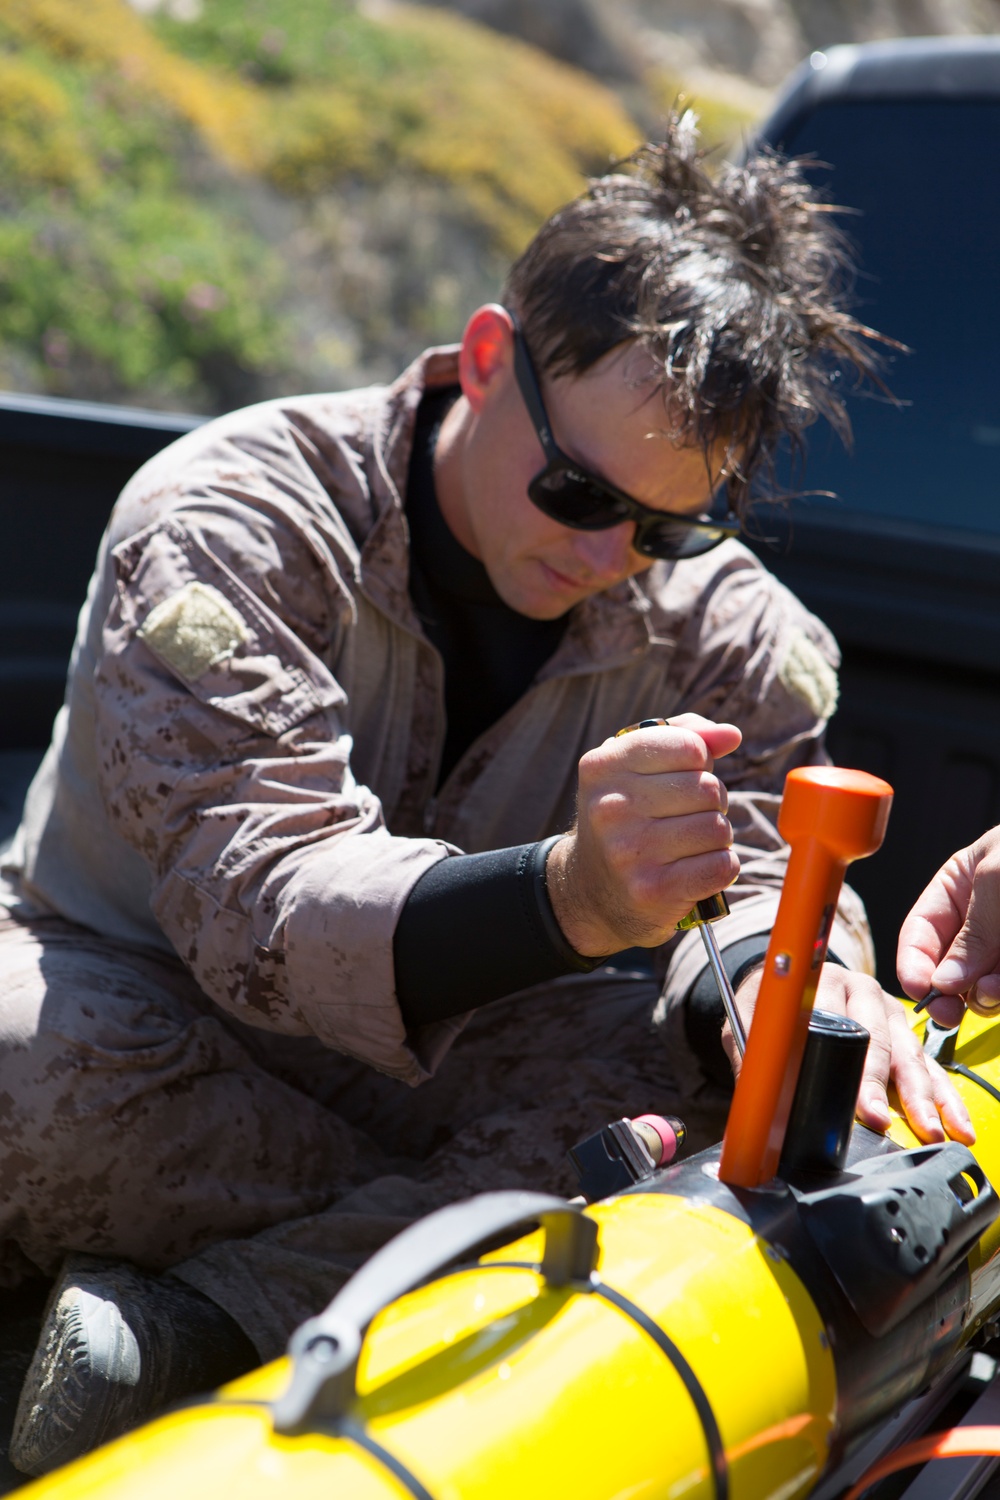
(651, 836)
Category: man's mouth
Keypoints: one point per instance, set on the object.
(563, 581)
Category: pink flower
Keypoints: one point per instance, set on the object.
(203, 297)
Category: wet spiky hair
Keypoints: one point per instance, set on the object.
(736, 283)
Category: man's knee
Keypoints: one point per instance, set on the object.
(136, 1123)
(84, 1035)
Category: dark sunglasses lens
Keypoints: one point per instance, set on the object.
(578, 499)
(673, 538)
(575, 499)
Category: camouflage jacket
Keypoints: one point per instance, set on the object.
(245, 764)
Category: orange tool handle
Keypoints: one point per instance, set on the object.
(829, 816)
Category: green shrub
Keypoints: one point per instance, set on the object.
(423, 91)
(39, 147)
(115, 280)
(139, 257)
(140, 294)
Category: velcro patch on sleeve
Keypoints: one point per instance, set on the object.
(807, 674)
(193, 630)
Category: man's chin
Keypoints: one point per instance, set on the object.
(544, 597)
(558, 592)
(536, 607)
(553, 612)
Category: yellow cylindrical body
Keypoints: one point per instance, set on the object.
(490, 1384)
(978, 1050)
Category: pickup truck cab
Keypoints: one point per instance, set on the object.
(902, 559)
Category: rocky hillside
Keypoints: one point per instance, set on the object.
(203, 202)
(727, 48)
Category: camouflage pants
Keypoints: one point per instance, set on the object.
(139, 1121)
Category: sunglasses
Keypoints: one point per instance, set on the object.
(570, 494)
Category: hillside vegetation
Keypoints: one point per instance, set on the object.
(195, 212)
(203, 202)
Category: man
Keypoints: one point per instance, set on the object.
(348, 667)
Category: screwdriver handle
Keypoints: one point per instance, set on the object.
(709, 910)
(714, 907)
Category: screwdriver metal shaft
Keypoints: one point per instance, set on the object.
(725, 988)
(703, 915)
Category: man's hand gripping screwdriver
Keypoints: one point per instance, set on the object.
(703, 915)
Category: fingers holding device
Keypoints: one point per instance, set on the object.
(933, 1108)
(949, 945)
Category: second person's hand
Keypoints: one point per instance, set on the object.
(951, 938)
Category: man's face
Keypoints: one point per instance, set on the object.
(612, 421)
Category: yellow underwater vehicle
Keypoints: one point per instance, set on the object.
(735, 1326)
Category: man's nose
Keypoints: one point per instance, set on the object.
(606, 554)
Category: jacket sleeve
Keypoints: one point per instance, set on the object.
(225, 759)
(750, 654)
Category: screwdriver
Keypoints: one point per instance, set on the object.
(702, 916)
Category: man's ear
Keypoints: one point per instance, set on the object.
(487, 352)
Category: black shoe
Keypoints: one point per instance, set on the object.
(117, 1345)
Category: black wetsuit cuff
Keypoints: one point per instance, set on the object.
(478, 927)
(537, 863)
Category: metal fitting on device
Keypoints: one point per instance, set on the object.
(626, 1152)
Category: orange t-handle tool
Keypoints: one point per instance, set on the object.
(829, 816)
